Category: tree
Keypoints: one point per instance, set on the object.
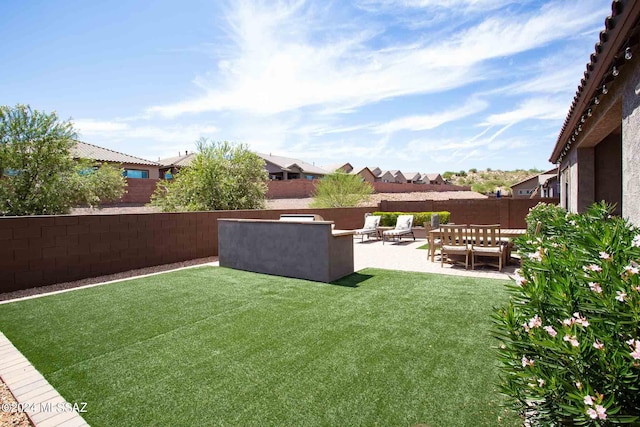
(222, 176)
(340, 190)
(38, 175)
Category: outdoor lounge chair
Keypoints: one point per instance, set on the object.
(453, 243)
(370, 227)
(403, 228)
(487, 242)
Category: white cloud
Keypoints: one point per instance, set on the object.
(539, 108)
(118, 130)
(98, 126)
(431, 121)
(281, 63)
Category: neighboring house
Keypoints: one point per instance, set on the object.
(285, 168)
(536, 186)
(171, 165)
(432, 178)
(365, 173)
(376, 171)
(399, 177)
(551, 187)
(385, 176)
(134, 167)
(598, 149)
(344, 167)
(278, 167)
(413, 177)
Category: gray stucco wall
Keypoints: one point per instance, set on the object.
(631, 145)
(304, 250)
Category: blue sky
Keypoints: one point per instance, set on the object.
(416, 85)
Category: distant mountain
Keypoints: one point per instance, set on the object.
(489, 181)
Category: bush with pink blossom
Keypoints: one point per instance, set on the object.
(570, 334)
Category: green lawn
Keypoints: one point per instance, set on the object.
(214, 346)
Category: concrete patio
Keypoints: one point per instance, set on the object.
(405, 256)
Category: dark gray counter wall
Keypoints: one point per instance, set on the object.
(304, 250)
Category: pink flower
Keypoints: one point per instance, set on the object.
(588, 400)
(535, 322)
(520, 281)
(602, 412)
(568, 322)
(550, 331)
(595, 287)
(635, 346)
(598, 345)
(604, 255)
(578, 385)
(636, 241)
(592, 413)
(572, 340)
(592, 267)
(578, 319)
(537, 255)
(629, 269)
(527, 362)
(621, 295)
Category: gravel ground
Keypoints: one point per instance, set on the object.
(93, 280)
(376, 198)
(302, 203)
(11, 418)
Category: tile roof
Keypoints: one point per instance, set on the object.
(286, 162)
(619, 36)
(335, 166)
(180, 161)
(542, 177)
(412, 176)
(93, 152)
(430, 176)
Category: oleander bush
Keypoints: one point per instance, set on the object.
(570, 334)
(419, 218)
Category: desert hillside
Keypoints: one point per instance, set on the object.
(489, 180)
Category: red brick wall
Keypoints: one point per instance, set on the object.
(509, 213)
(42, 250)
(290, 189)
(139, 191)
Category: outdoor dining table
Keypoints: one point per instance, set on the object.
(505, 233)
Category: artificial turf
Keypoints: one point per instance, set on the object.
(214, 346)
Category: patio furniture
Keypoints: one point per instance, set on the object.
(370, 227)
(453, 243)
(487, 242)
(404, 225)
(506, 233)
(436, 243)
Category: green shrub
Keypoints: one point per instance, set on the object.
(570, 335)
(419, 218)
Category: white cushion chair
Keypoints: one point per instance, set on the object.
(404, 225)
(370, 227)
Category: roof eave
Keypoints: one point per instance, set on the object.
(615, 39)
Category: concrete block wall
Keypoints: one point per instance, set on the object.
(42, 250)
(509, 213)
(139, 191)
